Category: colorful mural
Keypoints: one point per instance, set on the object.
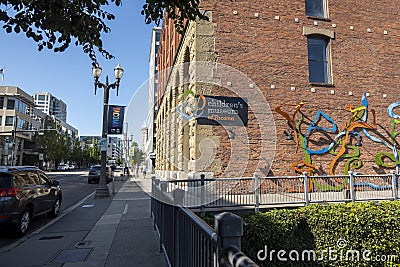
(338, 143)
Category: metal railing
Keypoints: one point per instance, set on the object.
(186, 240)
(284, 191)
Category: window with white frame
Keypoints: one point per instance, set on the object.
(317, 8)
(319, 65)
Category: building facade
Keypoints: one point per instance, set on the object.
(114, 145)
(114, 148)
(150, 141)
(319, 77)
(18, 121)
(51, 105)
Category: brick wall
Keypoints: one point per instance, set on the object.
(270, 49)
(273, 51)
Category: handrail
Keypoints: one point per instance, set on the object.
(237, 258)
(186, 240)
(262, 191)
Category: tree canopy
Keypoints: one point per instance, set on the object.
(55, 24)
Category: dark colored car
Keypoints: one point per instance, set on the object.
(94, 174)
(25, 193)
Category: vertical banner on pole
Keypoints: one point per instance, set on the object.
(115, 119)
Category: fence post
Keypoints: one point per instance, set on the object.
(163, 202)
(178, 195)
(352, 189)
(202, 212)
(157, 203)
(256, 193)
(152, 197)
(394, 184)
(306, 196)
(229, 228)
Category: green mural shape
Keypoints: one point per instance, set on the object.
(381, 155)
(353, 160)
(393, 133)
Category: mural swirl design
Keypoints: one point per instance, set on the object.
(340, 147)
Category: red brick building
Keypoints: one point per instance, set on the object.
(322, 54)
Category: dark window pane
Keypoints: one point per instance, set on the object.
(317, 70)
(1, 101)
(11, 103)
(9, 121)
(317, 59)
(5, 180)
(317, 49)
(315, 8)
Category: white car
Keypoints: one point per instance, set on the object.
(62, 167)
(71, 167)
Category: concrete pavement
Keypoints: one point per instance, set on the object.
(115, 231)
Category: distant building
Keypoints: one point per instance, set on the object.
(51, 105)
(67, 127)
(89, 139)
(114, 148)
(144, 133)
(114, 145)
(17, 113)
(149, 144)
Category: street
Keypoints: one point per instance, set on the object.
(92, 231)
(74, 186)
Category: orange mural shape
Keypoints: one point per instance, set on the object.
(291, 119)
(350, 126)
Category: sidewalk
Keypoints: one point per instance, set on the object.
(115, 231)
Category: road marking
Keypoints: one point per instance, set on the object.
(129, 199)
(125, 209)
(88, 206)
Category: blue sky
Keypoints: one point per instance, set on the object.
(68, 75)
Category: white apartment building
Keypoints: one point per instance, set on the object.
(51, 105)
(148, 142)
(114, 148)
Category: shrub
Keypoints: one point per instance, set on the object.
(347, 228)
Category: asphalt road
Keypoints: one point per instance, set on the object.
(74, 186)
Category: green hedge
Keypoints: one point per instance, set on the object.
(348, 228)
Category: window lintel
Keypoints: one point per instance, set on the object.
(312, 30)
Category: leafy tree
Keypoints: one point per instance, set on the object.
(177, 10)
(137, 153)
(77, 151)
(54, 143)
(54, 24)
(91, 152)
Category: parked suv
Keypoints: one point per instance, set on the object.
(27, 192)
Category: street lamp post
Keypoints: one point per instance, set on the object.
(14, 140)
(102, 189)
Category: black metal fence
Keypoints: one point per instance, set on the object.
(186, 240)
